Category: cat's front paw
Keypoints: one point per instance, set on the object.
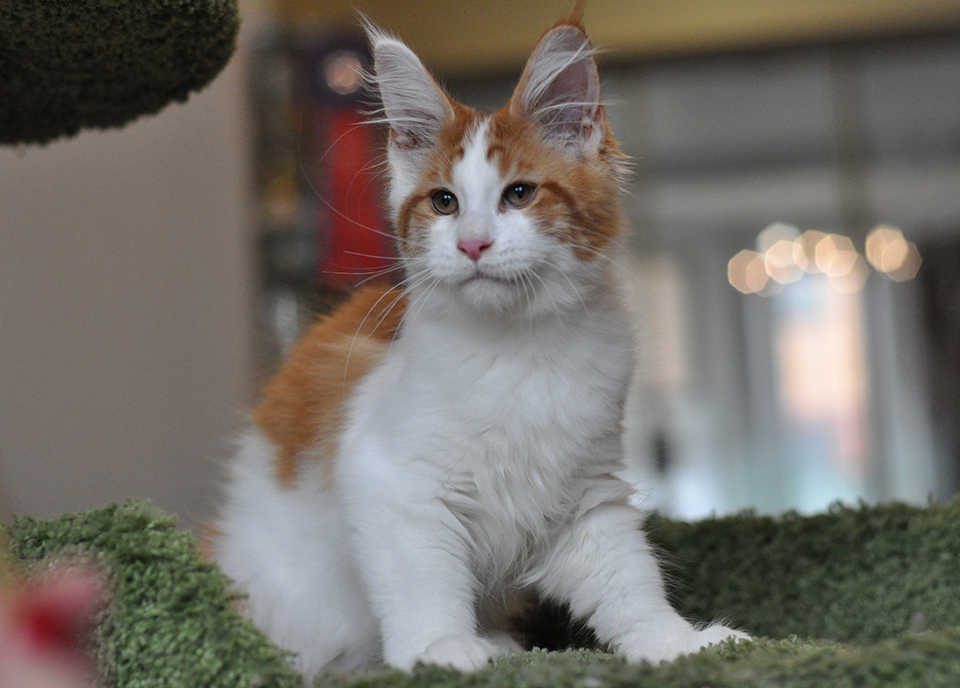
(464, 652)
(713, 635)
(653, 646)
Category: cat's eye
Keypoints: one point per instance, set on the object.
(444, 202)
(519, 194)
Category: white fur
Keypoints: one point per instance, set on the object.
(412, 103)
(477, 457)
(285, 549)
(562, 88)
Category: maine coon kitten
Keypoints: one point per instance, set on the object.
(425, 452)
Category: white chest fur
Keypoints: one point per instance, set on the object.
(508, 426)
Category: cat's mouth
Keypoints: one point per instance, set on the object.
(482, 277)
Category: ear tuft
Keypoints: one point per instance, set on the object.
(560, 88)
(414, 106)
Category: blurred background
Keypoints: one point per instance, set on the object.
(794, 266)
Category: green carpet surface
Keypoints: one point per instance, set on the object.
(169, 622)
(866, 596)
(72, 64)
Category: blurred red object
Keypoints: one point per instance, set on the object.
(356, 242)
(45, 629)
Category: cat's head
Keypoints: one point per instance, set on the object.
(511, 213)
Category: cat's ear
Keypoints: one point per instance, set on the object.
(414, 106)
(560, 89)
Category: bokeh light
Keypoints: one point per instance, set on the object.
(343, 72)
(747, 272)
(835, 255)
(779, 262)
(805, 248)
(854, 278)
(910, 267)
(784, 254)
(890, 253)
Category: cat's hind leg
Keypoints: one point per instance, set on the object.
(603, 567)
(285, 548)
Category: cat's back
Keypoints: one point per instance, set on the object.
(302, 406)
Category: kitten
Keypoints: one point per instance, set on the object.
(426, 452)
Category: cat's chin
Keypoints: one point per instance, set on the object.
(491, 294)
(520, 298)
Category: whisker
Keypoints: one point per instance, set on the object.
(389, 309)
(549, 292)
(374, 276)
(356, 334)
(421, 299)
(573, 287)
(305, 175)
(626, 273)
(392, 259)
(360, 272)
(529, 291)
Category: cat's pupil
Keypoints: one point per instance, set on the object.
(518, 195)
(444, 202)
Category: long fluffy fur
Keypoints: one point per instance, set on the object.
(427, 452)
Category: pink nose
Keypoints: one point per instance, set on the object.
(474, 248)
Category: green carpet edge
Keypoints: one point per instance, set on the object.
(172, 624)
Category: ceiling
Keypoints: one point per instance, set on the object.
(463, 37)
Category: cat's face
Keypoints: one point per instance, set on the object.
(515, 212)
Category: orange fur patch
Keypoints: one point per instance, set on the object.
(206, 542)
(302, 409)
(579, 195)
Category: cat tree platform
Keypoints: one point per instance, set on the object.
(866, 596)
(74, 64)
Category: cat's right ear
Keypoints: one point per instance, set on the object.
(560, 89)
(414, 106)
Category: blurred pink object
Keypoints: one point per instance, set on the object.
(45, 626)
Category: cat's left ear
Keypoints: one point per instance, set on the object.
(560, 89)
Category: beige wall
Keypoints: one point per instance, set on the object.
(459, 37)
(125, 310)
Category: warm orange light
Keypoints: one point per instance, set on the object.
(756, 274)
(889, 252)
(343, 72)
(746, 272)
(779, 262)
(783, 255)
(804, 250)
(911, 264)
(835, 255)
(854, 278)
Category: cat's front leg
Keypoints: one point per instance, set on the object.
(602, 565)
(412, 556)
